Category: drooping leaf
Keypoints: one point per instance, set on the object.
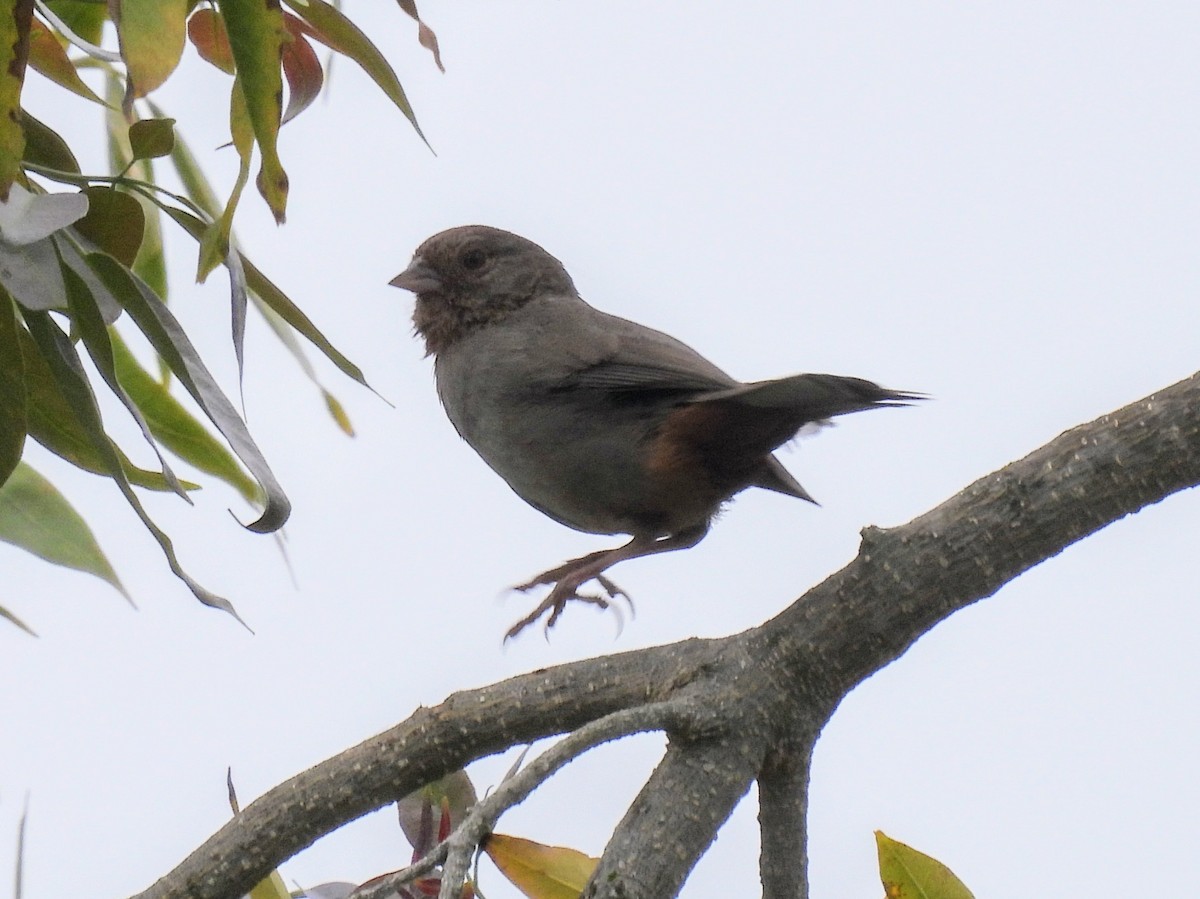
(540, 871)
(32, 276)
(45, 147)
(328, 25)
(301, 68)
(15, 18)
(38, 519)
(206, 30)
(214, 245)
(909, 874)
(13, 619)
(14, 419)
(114, 222)
(256, 36)
(150, 138)
(47, 56)
(337, 412)
(171, 343)
(151, 33)
(425, 35)
(54, 424)
(89, 323)
(56, 348)
(287, 336)
(176, 428)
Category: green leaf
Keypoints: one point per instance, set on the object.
(909, 874)
(150, 138)
(176, 428)
(287, 336)
(38, 519)
(87, 320)
(329, 26)
(14, 420)
(73, 382)
(256, 36)
(47, 56)
(10, 617)
(214, 245)
(115, 222)
(44, 146)
(151, 33)
(54, 424)
(84, 17)
(171, 343)
(15, 18)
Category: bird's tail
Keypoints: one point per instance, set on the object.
(810, 397)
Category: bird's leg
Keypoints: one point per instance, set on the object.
(570, 576)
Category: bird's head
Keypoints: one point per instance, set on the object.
(468, 277)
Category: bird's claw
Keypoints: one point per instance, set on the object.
(563, 592)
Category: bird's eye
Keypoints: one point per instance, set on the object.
(473, 259)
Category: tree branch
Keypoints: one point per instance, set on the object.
(782, 810)
(752, 699)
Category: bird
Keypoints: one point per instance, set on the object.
(605, 425)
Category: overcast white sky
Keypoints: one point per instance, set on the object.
(993, 202)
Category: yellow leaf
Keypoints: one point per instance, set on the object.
(151, 33)
(909, 874)
(540, 871)
(15, 18)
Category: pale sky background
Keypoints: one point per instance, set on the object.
(995, 202)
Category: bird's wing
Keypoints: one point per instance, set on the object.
(628, 358)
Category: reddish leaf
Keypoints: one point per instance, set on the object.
(329, 25)
(47, 55)
(301, 68)
(206, 30)
(425, 36)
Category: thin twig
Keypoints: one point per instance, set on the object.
(458, 848)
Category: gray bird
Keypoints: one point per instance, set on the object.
(605, 425)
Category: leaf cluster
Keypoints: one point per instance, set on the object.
(83, 279)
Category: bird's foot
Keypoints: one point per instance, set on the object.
(565, 582)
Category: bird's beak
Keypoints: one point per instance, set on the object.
(418, 277)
